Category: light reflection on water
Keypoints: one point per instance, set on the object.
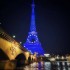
(47, 66)
(38, 66)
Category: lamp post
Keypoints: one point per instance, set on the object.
(20, 42)
(14, 36)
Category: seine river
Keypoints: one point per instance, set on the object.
(48, 66)
(59, 65)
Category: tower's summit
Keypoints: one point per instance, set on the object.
(33, 26)
(32, 43)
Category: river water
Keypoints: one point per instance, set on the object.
(47, 66)
(59, 65)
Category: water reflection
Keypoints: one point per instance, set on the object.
(7, 65)
(47, 66)
(36, 66)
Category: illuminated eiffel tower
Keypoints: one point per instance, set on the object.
(32, 43)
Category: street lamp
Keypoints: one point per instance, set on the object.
(20, 42)
(14, 36)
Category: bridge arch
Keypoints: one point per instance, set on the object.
(20, 60)
(20, 56)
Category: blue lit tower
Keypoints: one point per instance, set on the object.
(32, 43)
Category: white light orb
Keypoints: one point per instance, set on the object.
(14, 36)
(20, 42)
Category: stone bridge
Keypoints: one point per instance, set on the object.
(11, 49)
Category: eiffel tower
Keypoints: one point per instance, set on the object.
(32, 43)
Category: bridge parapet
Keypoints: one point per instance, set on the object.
(11, 47)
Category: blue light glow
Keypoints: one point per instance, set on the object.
(33, 27)
(32, 42)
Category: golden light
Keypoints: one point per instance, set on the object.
(52, 59)
(57, 57)
(27, 55)
(62, 57)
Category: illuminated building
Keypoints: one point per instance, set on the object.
(32, 43)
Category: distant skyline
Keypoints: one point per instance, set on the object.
(52, 20)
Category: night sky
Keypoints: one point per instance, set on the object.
(52, 22)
